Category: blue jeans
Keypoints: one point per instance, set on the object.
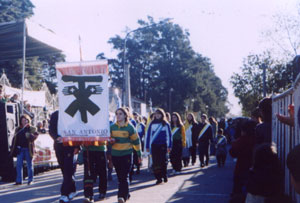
(24, 153)
(122, 165)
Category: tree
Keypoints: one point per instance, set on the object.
(14, 10)
(161, 58)
(36, 71)
(284, 34)
(49, 71)
(248, 85)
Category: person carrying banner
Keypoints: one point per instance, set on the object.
(65, 159)
(159, 143)
(23, 148)
(95, 164)
(191, 138)
(204, 139)
(124, 139)
(178, 142)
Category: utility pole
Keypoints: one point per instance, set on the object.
(264, 79)
(127, 96)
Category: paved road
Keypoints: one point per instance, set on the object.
(193, 185)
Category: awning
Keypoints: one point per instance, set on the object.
(11, 40)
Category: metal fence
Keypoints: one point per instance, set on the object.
(286, 137)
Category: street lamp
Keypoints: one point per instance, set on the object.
(127, 98)
(264, 67)
(170, 99)
(192, 105)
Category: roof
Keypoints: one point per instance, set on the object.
(39, 40)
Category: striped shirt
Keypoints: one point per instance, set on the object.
(126, 138)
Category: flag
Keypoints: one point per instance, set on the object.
(83, 102)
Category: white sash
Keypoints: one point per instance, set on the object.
(174, 131)
(203, 131)
(158, 129)
(220, 140)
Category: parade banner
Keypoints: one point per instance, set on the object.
(83, 102)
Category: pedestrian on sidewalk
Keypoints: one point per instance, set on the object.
(263, 131)
(65, 159)
(23, 148)
(204, 140)
(124, 139)
(95, 164)
(140, 127)
(293, 165)
(266, 177)
(191, 127)
(159, 143)
(242, 149)
(178, 142)
(214, 126)
(221, 151)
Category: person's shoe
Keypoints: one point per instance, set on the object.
(165, 179)
(88, 199)
(202, 165)
(121, 200)
(30, 183)
(206, 164)
(101, 197)
(63, 199)
(18, 184)
(158, 182)
(72, 195)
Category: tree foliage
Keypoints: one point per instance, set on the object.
(284, 33)
(248, 85)
(36, 72)
(13, 10)
(161, 59)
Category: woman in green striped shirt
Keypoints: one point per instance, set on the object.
(125, 138)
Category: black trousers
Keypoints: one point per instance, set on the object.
(221, 159)
(194, 153)
(203, 152)
(159, 159)
(123, 165)
(176, 155)
(65, 156)
(95, 164)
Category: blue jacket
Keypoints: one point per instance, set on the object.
(163, 137)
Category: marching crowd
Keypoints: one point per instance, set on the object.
(164, 137)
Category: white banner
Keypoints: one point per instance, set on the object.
(83, 100)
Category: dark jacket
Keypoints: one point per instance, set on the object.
(53, 125)
(30, 140)
(242, 149)
(195, 133)
(207, 137)
(266, 182)
(263, 133)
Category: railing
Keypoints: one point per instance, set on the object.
(286, 137)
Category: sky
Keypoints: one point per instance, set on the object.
(224, 31)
